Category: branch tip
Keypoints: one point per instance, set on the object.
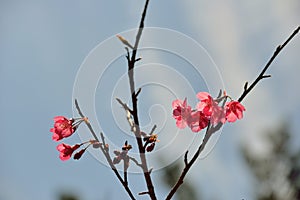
(246, 86)
(138, 92)
(124, 41)
(150, 171)
(143, 193)
(138, 59)
(185, 158)
(266, 76)
(153, 129)
(262, 73)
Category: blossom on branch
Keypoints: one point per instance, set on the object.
(218, 115)
(181, 112)
(211, 108)
(64, 127)
(66, 150)
(206, 104)
(234, 111)
(198, 121)
(207, 111)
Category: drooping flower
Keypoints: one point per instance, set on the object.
(66, 150)
(181, 112)
(197, 121)
(62, 128)
(234, 111)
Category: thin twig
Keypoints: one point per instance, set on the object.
(135, 161)
(138, 92)
(188, 164)
(86, 121)
(152, 130)
(262, 74)
(125, 174)
(131, 65)
(106, 153)
(102, 138)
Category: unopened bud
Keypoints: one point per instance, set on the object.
(78, 155)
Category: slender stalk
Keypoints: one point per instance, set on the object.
(188, 164)
(105, 152)
(131, 64)
(262, 74)
(211, 130)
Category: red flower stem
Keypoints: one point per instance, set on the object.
(262, 74)
(131, 65)
(106, 153)
(211, 130)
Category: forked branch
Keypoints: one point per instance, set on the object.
(211, 130)
(105, 152)
(262, 74)
(131, 64)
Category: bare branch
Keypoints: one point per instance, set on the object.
(131, 65)
(143, 193)
(102, 138)
(262, 74)
(105, 152)
(138, 92)
(86, 121)
(135, 161)
(246, 86)
(209, 131)
(185, 158)
(152, 130)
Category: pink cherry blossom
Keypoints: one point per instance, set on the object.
(218, 115)
(197, 121)
(66, 150)
(234, 111)
(181, 112)
(62, 128)
(206, 104)
(210, 108)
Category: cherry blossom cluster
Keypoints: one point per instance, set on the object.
(208, 110)
(64, 128)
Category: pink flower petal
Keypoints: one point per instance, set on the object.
(234, 111)
(181, 124)
(203, 95)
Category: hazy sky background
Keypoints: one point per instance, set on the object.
(43, 43)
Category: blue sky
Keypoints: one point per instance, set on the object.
(44, 43)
